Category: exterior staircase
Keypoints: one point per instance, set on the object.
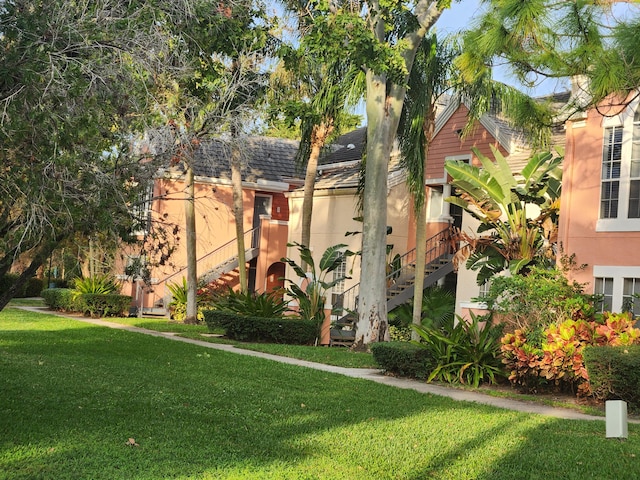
(214, 264)
(400, 284)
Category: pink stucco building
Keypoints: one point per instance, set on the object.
(600, 209)
(269, 172)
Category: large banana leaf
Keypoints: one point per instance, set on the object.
(332, 257)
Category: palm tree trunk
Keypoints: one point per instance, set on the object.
(318, 139)
(238, 214)
(428, 127)
(190, 224)
(421, 257)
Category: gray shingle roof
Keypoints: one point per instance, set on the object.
(263, 158)
(346, 148)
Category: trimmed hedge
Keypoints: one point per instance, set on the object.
(614, 373)
(7, 281)
(31, 288)
(403, 359)
(34, 287)
(59, 299)
(290, 330)
(103, 305)
(91, 304)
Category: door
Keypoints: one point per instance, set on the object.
(261, 206)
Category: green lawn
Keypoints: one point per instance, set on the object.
(73, 394)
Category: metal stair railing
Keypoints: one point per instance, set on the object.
(400, 280)
(223, 256)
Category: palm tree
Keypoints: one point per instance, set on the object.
(436, 72)
(430, 78)
(316, 93)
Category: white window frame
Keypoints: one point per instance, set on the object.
(618, 274)
(621, 223)
(447, 191)
(142, 211)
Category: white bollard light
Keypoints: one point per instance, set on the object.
(616, 419)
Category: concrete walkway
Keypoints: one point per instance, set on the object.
(373, 375)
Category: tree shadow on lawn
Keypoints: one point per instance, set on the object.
(72, 399)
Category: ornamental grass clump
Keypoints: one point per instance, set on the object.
(553, 360)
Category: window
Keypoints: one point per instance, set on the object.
(603, 287)
(631, 288)
(620, 174)
(634, 169)
(141, 213)
(484, 289)
(611, 164)
(338, 289)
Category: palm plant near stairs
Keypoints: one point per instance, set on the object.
(518, 214)
(311, 290)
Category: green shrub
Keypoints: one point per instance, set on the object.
(178, 303)
(265, 305)
(59, 299)
(464, 351)
(614, 373)
(399, 334)
(290, 330)
(7, 281)
(541, 298)
(34, 287)
(403, 358)
(102, 305)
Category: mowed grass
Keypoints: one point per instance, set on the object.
(78, 401)
(342, 357)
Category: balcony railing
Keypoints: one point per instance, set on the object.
(439, 252)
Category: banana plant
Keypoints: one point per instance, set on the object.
(312, 296)
(509, 236)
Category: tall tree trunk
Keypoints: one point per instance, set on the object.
(238, 213)
(383, 107)
(318, 139)
(372, 308)
(192, 272)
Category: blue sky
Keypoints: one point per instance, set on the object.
(460, 17)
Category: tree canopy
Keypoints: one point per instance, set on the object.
(79, 82)
(592, 39)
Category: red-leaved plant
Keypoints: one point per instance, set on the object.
(555, 360)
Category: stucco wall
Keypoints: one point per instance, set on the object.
(579, 231)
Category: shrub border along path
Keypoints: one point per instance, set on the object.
(374, 375)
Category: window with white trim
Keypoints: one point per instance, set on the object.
(634, 169)
(630, 293)
(483, 291)
(611, 166)
(620, 174)
(603, 287)
(141, 213)
(337, 300)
